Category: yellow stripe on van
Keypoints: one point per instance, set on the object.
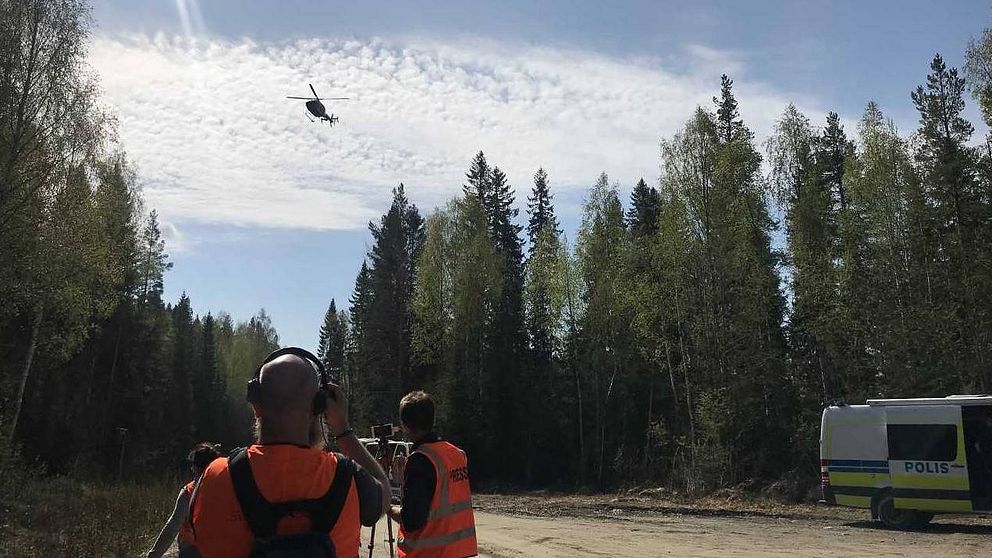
(853, 501)
(946, 482)
(927, 504)
(874, 480)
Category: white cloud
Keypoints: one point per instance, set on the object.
(175, 240)
(215, 140)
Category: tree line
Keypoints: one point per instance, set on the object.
(672, 339)
(98, 374)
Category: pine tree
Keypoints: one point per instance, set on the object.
(645, 203)
(333, 333)
(154, 261)
(961, 212)
(543, 297)
(943, 153)
(508, 341)
(478, 176)
(209, 389)
(357, 356)
(730, 127)
(326, 327)
(361, 300)
(540, 210)
(385, 336)
(184, 364)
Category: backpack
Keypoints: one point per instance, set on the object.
(263, 517)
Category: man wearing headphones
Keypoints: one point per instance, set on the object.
(285, 493)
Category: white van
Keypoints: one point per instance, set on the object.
(907, 459)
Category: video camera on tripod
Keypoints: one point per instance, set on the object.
(386, 430)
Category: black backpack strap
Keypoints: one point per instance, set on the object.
(331, 504)
(257, 511)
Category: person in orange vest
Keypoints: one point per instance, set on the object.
(177, 527)
(435, 517)
(284, 494)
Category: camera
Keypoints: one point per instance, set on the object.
(383, 430)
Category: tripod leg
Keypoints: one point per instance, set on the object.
(371, 541)
(389, 529)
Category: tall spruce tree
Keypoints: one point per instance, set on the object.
(184, 362)
(331, 344)
(645, 203)
(729, 125)
(540, 210)
(357, 356)
(508, 342)
(397, 242)
(208, 385)
(961, 214)
(478, 177)
(543, 309)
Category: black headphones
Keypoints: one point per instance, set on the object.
(254, 393)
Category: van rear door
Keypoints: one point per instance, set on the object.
(927, 460)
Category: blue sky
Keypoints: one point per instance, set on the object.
(263, 209)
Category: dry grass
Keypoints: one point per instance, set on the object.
(63, 517)
(654, 502)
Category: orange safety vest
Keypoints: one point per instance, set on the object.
(283, 473)
(450, 528)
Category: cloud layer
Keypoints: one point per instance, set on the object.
(215, 140)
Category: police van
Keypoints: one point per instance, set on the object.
(907, 459)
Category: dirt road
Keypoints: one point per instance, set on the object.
(633, 528)
(503, 536)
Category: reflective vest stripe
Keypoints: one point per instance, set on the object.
(452, 509)
(445, 507)
(442, 540)
(442, 471)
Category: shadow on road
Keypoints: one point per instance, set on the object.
(933, 528)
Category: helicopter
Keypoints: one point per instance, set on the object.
(317, 109)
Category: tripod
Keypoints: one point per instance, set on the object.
(385, 459)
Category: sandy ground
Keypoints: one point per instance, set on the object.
(576, 526)
(632, 526)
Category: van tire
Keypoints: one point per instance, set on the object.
(904, 520)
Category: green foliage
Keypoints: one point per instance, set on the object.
(455, 303)
(102, 378)
(671, 342)
(331, 343)
(381, 368)
(978, 71)
(540, 209)
(643, 213)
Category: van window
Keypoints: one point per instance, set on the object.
(923, 442)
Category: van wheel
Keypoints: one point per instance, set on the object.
(904, 520)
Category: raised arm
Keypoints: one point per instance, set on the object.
(337, 420)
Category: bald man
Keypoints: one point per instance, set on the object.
(288, 469)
